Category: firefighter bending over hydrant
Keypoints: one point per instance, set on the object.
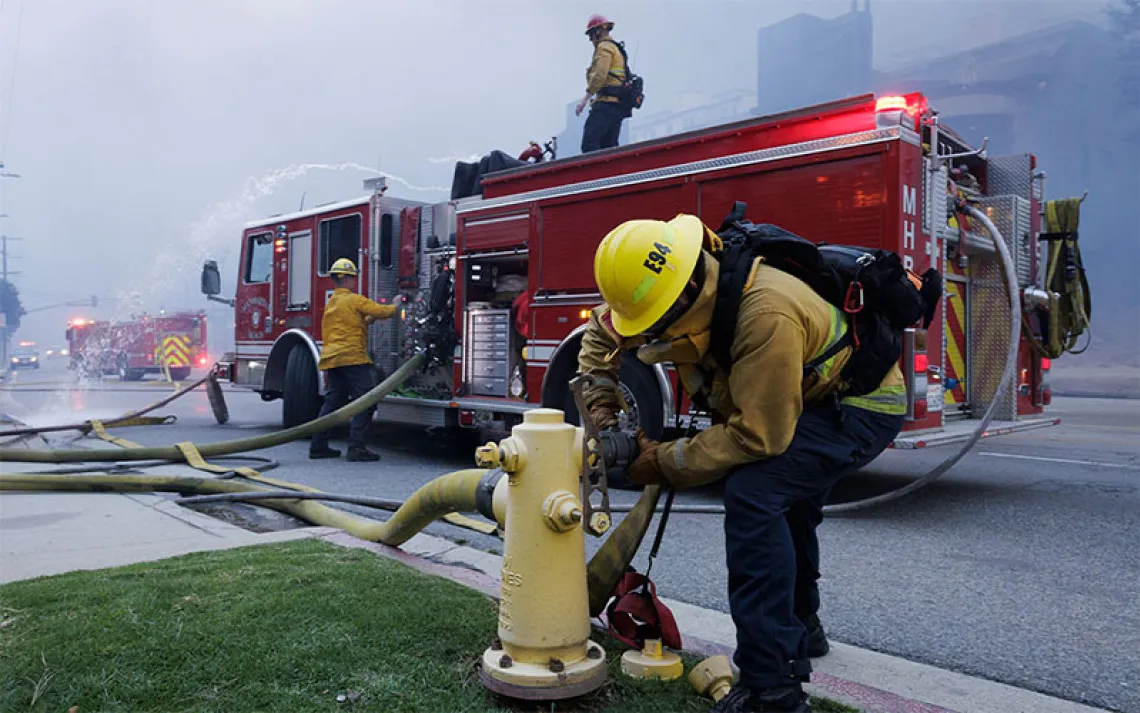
(344, 328)
(781, 436)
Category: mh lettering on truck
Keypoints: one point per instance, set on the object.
(910, 208)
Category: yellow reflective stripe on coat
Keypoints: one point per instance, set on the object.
(885, 399)
(834, 334)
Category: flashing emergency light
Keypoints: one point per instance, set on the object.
(912, 104)
(921, 363)
(202, 360)
(1046, 363)
(78, 322)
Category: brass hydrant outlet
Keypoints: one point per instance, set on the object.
(503, 455)
(712, 677)
(652, 662)
(543, 651)
(562, 511)
(487, 456)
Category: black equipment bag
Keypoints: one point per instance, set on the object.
(879, 296)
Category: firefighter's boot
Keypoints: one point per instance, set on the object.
(817, 644)
(326, 453)
(362, 454)
(786, 699)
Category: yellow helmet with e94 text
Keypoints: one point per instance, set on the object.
(643, 266)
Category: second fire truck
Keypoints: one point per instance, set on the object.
(505, 275)
(131, 349)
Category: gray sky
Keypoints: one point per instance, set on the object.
(137, 125)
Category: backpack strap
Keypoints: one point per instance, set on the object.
(735, 266)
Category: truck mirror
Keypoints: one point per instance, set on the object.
(211, 278)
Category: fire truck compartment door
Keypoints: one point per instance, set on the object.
(300, 269)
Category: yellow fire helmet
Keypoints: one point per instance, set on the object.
(343, 266)
(642, 267)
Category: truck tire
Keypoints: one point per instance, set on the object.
(180, 373)
(641, 392)
(301, 400)
(125, 372)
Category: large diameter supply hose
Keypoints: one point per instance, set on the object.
(124, 420)
(448, 493)
(1006, 376)
(173, 453)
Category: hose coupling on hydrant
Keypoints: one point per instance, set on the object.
(543, 651)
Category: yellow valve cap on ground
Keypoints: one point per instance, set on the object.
(642, 266)
(343, 266)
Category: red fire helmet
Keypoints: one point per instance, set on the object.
(597, 21)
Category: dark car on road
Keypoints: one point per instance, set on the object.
(25, 357)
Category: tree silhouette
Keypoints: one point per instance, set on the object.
(10, 304)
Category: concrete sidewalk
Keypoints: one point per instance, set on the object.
(50, 533)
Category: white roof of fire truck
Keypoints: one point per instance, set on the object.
(315, 210)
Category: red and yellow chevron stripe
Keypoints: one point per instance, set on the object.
(956, 341)
(174, 350)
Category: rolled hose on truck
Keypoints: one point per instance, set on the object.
(465, 490)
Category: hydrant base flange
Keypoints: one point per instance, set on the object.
(532, 682)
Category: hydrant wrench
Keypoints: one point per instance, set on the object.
(601, 450)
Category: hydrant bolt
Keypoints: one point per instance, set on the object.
(505, 661)
(496, 644)
(557, 666)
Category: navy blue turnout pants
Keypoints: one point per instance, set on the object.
(772, 509)
(603, 127)
(346, 383)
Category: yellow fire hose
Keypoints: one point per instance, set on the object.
(450, 493)
(174, 453)
(1069, 301)
(443, 497)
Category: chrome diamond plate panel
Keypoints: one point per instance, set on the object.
(1011, 216)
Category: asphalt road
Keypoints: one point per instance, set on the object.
(1021, 565)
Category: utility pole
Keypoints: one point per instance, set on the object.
(6, 332)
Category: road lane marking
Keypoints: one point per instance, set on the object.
(1070, 461)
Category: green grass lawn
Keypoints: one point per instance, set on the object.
(274, 628)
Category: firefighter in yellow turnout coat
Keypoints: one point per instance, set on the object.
(780, 439)
(344, 355)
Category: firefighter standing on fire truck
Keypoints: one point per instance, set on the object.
(777, 439)
(604, 76)
(344, 328)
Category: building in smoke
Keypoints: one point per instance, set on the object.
(806, 60)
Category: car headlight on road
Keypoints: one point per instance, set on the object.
(34, 359)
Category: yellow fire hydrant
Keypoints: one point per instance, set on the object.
(543, 651)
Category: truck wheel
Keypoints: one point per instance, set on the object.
(639, 388)
(125, 372)
(301, 400)
(180, 373)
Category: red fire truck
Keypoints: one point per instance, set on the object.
(139, 346)
(510, 268)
